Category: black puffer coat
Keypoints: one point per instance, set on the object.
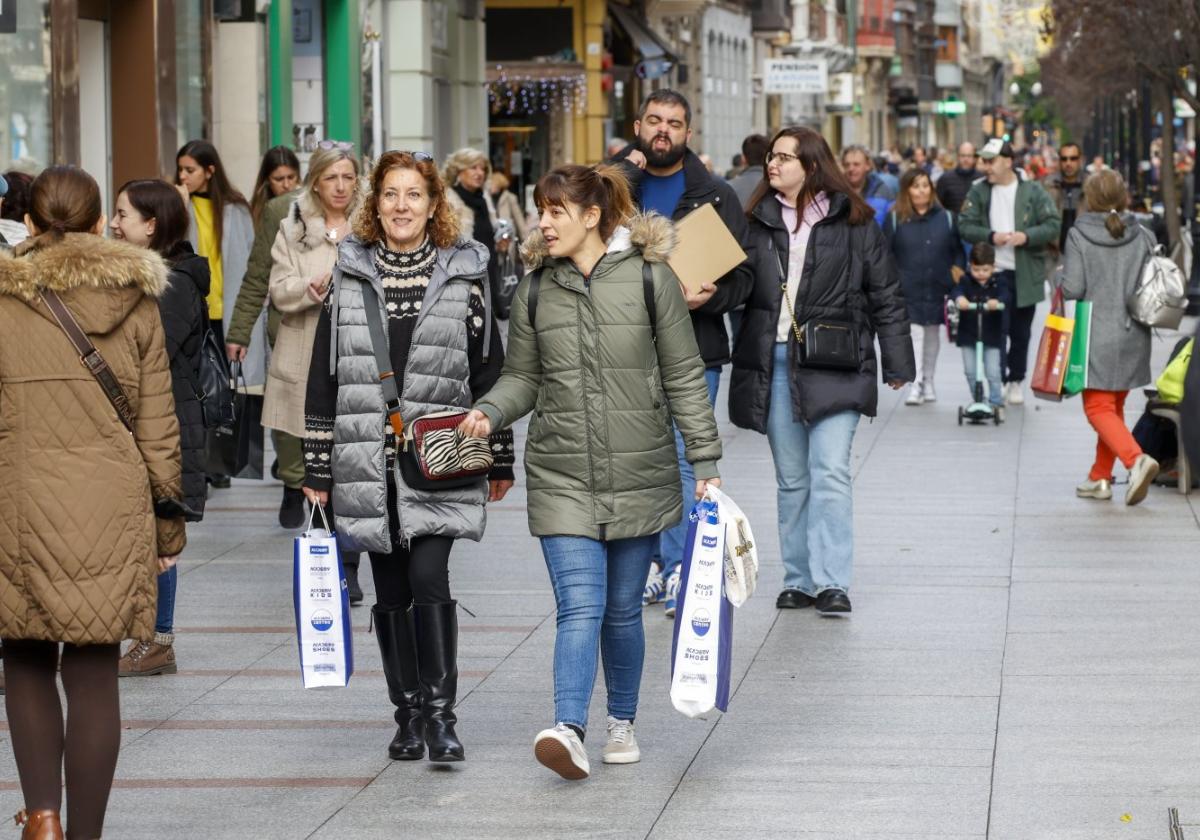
(185, 319)
(848, 275)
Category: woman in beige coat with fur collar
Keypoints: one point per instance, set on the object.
(304, 253)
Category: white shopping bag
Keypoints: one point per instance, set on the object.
(322, 608)
(741, 556)
(703, 637)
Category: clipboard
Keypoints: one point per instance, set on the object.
(705, 250)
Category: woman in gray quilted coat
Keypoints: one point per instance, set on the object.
(1103, 260)
(583, 357)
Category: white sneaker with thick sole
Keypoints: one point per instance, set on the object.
(622, 747)
(653, 592)
(1101, 489)
(1015, 395)
(561, 750)
(672, 594)
(1141, 475)
(914, 395)
(927, 392)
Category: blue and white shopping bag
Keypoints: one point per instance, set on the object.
(703, 637)
(322, 608)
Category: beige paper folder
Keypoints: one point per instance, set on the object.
(705, 251)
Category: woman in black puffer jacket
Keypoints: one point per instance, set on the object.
(811, 232)
(152, 214)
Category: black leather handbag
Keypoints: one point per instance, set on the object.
(825, 343)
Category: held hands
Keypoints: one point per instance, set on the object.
(235, 352)
(695, 301)
(478, 425)
(318, 286)
(316, 497)
(705, 483)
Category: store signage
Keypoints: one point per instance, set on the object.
(8, 16)
(950, 107)
(793, 75)
(841, 92)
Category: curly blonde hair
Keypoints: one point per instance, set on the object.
(464, 159)
(443, 228)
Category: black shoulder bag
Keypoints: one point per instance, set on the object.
(824, 343)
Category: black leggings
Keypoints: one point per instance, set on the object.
(88, 743)
(418, 573)
(1020, 328)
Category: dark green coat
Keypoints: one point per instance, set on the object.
(1036, 217)
(257, 281)
(600, 454)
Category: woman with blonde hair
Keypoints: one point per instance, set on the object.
(406, 257)
(1102, 263)
(465, 173)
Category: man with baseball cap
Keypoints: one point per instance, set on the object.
(1019, 218)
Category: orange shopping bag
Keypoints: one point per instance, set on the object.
(1053, 352)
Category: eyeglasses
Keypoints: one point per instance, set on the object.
(1068, 157)
(782, 157)
(340, 145)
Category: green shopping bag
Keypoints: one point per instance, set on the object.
(1081, 344)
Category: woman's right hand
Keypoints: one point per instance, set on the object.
(476, 424)
(318, 286)
(235, 352)
(316, 497)
(184, 194)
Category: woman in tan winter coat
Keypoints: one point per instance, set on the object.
(80, 545)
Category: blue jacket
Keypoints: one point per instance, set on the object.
(995, 324)
(925, 249)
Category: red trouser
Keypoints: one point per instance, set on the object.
(1105, 410)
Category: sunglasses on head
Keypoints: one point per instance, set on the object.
(340, 145)
(419, 156)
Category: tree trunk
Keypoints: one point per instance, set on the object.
(1170, 189)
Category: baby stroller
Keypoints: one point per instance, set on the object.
(979, 411)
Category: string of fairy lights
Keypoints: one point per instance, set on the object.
(521, 94)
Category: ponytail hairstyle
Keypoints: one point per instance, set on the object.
(603, 186)
(220, 191)
(62, 200)
(822, 174)
(1105, 192)
(274, 158)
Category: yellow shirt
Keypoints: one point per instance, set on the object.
(206, 246)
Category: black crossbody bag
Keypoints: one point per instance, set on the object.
(824, 343)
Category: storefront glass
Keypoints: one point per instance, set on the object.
(25, 118)
(189, 69)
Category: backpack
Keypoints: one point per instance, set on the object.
(212, 386)
(535, 283)
(1160, 297)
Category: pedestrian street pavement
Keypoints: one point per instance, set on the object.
(1020, 665)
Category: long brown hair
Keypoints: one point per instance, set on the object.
(904, 206)
(603, 186)
(1105, 192)
(443, 227)
(62, 200)
(220, 191)
(274, 158)
(821, 175)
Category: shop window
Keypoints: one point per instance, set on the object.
(25, 120)
(508, 34)
(189, 69)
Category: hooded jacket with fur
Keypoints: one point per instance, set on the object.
(600, 453)
(79, 541)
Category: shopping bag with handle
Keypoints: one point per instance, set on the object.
(1076, 380)
(741, 556)
(1050, 367)
(322, 604)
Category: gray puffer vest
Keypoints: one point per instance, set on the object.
(436, 379)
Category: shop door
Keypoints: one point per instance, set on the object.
(95, 148)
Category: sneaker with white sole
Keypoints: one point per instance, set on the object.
(927, 392)
(653, 592)
(1141, 475)
(672, 594)
(1100, 488)
(562, 751)
(622, 747)
(915, 396)
(1015, 395)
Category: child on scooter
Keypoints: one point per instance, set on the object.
(980, 286)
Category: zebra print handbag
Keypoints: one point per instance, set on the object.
(436, 456)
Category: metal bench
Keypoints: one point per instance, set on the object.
(1170, 411)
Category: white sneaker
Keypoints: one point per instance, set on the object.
(653, 592)
(622, 747)
(914, 395)
(672, 594)
(1015, 395)
(927, 392)
(1141, 475)
(561, 750)
(1100, 488)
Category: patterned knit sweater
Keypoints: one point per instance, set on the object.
(405, 277)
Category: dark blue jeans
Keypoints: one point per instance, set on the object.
(165, 620)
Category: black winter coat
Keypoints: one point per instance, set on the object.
(995, 324)
(925, 248)
(953, 186)
(185, 320)
(848, 275)
(702, 187)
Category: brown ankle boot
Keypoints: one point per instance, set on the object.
(40, 825)
(145, 659)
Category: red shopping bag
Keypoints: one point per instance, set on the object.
(1053, 352)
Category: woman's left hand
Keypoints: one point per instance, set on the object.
(704, 483)
(166, 563)
(897, 384)
(498, 489)
(318, 286)
(476, 424)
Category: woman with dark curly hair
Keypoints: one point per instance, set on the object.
(430, 285)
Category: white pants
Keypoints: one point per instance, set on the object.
(926, 343)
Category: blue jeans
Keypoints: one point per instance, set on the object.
(991, 371)
(670, 547)
(815, 497)
(598, 592)
(164, 622)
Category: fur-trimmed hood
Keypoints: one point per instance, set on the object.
(105, 278)
(304, 224)
(650, 233)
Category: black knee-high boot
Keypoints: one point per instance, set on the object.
(437, 664)
(394, 630)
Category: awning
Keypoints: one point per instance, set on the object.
(649, 46)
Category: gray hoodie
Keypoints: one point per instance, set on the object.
(1104, 271)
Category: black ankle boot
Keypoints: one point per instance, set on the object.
(393, 629)
(291, 509)
(350, 564)
(437, 664)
